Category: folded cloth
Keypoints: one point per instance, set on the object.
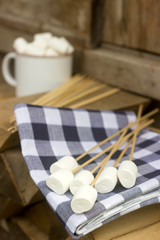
(49, 133)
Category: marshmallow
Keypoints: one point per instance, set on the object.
(40, 43)
(34, 50)
(84, 199)
(107, 180)
(45, 36)
(59, 45)
(20, 45)
(60, 181)
(84, 177)
(67, 162)
(127, 173)
(50, 52)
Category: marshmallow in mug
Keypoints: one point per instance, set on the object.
(43, 44)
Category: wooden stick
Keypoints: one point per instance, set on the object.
(123, 152)
(62, 88)
(96, 98)
(82, 94)
(104, 162)
(136, 131)
(115, 134)
(109, 156)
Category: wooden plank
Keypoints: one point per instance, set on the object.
(8, 207)
(133, 222)
(125, 69)
(41, 215)
(76, 20)
(9, 140)
(133, 24)
(22, 228)
(18, 184)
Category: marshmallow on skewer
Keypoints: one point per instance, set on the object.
(84, 177)
(67, 162)
(84, 199)
(127, 173)
(107, 180)
(60, 181)
(20, 45)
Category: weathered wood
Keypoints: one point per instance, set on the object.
(125, 69)
(131, 223)
(17, 183)
(22, 228)
(45, 220)
(8, 207)
(77, 20)
(133, 24)
(9, 140)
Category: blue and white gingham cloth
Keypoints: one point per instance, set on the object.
(49, 133)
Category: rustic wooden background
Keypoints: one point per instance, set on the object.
(116, 41)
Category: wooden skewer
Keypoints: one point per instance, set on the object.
(59, 90)
(109, 156)
(115, 134)
(104, 162)
(94, 99)
(82, 94)
(136, 131)
(99, 154)
(78, 89)
(123, 152)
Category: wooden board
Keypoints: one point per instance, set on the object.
(128, 70)
(18, 184)
(8, 207)
(143, 223)
(76, 20)
(132, 24)
(45, 220)
(22, 228)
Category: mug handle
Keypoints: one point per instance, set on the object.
(6, 70)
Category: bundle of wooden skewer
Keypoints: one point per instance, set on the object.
(77, 92)
(84, 186)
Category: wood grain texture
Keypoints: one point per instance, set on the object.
(128, 70)
(76, 20)
(133, 24)
(18, 184)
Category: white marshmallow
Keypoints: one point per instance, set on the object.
(51, 52)
(84, 199)
(59, 45)
(34, 50)
(46, 36)
(107, 180)
(84, 177)
(60, 181)
(67, 162)
(127, 173)
(40, 43)
(20, 45)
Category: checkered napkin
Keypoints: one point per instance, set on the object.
(48, 133)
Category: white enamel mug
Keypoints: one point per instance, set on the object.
(34, 74)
